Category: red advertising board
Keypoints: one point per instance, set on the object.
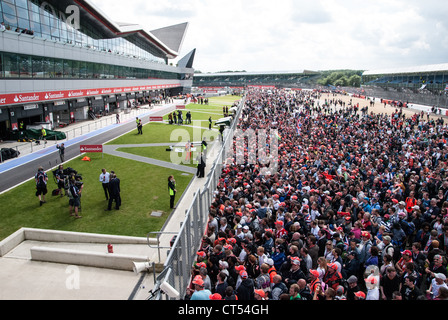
(261, 87)
(91, 148)
(180, 107)
(155, 119)
(32, 97)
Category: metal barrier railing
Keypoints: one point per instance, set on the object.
(75, 130)
(182, 254)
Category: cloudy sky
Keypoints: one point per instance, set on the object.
(266, 35)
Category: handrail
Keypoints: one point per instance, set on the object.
(159, 233)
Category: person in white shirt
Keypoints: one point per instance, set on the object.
(105, 179)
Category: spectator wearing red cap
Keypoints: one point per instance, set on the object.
(332, 277)
(280, 232)
(215, 296)
(406, 256)
(199, 292)
(245, 290)
(294, 274)
(313, 280)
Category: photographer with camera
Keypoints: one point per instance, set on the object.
(41, 179)
(75, 187)
(59, 175)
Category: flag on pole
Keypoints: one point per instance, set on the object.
(278, 136)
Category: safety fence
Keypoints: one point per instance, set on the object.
(176, 271)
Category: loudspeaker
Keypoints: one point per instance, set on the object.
(140, 266)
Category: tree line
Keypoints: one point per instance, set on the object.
(341, 78)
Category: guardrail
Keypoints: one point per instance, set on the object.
(182, 254)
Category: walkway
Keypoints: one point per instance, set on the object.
(112, 150)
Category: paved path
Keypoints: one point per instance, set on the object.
(112, 150)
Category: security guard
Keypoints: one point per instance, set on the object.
(204, 147)
(172, 190)
(44, 135)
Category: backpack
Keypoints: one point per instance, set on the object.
(397, 252)
(410, 227)
(72, 192)
(40, 179)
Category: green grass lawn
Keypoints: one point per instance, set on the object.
(144, 186)
(161, 133)
(144, 189)
(221, 101)
(201, 112)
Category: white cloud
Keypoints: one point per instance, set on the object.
(298, 34)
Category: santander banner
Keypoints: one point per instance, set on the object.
(91, 148)
(21, 98)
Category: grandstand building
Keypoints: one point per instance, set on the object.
(63, 59)
(293, 79)
(425, 85)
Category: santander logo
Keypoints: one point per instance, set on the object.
(51, 95)
(26, 98)
(75, 94)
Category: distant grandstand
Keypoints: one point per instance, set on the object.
(295, 79)
(425, 84)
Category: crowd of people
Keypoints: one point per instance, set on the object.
(356, 208)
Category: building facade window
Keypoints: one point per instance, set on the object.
(26, 67)
(45, 21)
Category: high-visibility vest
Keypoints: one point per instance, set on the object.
(172, 191)
(44, 133)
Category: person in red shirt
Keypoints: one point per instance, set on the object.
(406, 257)
(410, 202)
(280, 232)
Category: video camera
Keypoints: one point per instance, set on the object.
(71, 176)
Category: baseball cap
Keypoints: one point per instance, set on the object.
(260, 292)
(314, 273)
(440, 276)
(198, 281)
(215, 296)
